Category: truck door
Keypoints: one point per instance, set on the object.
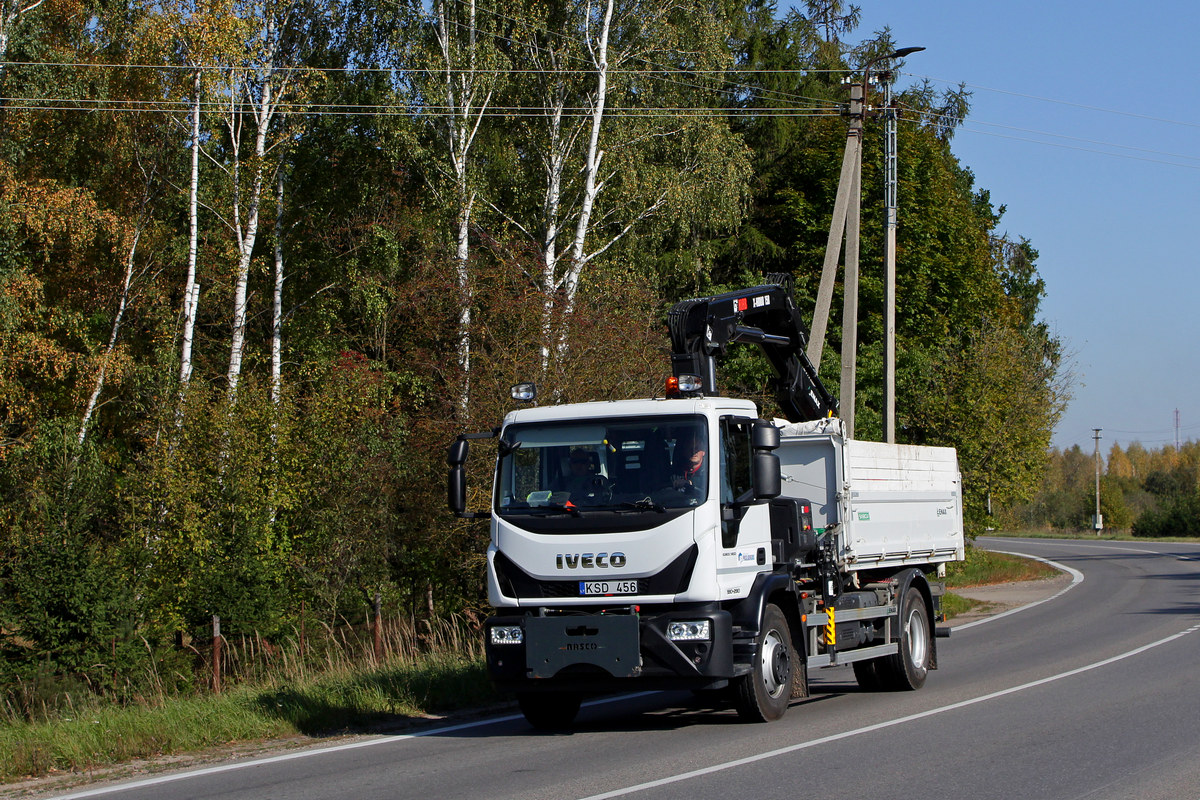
(745, 533)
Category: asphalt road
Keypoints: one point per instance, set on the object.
(1092, 693)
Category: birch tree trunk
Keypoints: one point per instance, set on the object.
(277, 299)
(112, 339)
(262, 113)
(592, 157)
(559, 147)
(191, 291)
(247, 237)
(464, 115)
(591, 186)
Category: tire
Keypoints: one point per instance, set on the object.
(763, 695)
(907, 669)
(549, 711)
(867, 675)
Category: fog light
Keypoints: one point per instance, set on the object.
(689, 631)
(507, 634)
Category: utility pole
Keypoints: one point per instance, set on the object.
(837, 228)
(1097, 520)
(847, 221)
(850, 280)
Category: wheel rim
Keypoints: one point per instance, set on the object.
(776, 666)
(916, 632)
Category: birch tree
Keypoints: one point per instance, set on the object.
(277, 298)
(107, 355)
(11, 12)
(257, 85)
(606, 171)
(458, 76)
(268, 78)
(201, 35)
(191, 289)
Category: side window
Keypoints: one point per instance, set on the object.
(736, 477)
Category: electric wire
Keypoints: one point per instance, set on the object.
(1056, 101)
(326, 109)
(967, 125)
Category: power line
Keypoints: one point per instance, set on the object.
(421, 70)
(917, 116)
(183, 106)
(1080, 139)
(1056, 101)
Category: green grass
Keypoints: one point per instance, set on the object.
(953, 605)
(96, 735)
(982, 568)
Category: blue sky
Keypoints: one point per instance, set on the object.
(1085, 123)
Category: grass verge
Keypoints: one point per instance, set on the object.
(986, 568)
(345, 701)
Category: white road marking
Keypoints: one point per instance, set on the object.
(685, 776)
(1076, 579)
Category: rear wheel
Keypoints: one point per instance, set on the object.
(763, 695)
(549, 711)
(866, 675)
(908, 668)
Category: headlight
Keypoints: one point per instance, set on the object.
(507, 634)
(689, 631)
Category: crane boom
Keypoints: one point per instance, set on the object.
(765, 315)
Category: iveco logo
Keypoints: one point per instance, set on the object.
(589, 560)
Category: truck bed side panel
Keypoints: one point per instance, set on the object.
(905, 504)
(897, 504)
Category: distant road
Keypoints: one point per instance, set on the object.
(1093, 694)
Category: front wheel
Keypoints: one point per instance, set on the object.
(908, 668)
(549, 711)
(763, 695)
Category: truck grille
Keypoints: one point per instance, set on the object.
(515, 582)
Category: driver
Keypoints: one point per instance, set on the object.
(689, 462)
(582, 480)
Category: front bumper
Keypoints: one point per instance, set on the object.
(606, 651)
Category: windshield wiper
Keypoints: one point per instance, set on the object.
(559, 507)
(645, 504)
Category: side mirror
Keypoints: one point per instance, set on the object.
(456, 481)
(456, 489)
(458, 453)
(764, 436)
(768, 479)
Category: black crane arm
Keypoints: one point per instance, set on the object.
(765, 315)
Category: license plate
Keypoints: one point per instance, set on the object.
(607, 587)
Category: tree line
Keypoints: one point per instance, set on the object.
(1143, 492)
(261, 260)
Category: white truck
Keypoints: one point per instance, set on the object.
(683, 542)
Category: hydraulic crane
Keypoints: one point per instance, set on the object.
(765, 315)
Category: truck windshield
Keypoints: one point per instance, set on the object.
(645, 463)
